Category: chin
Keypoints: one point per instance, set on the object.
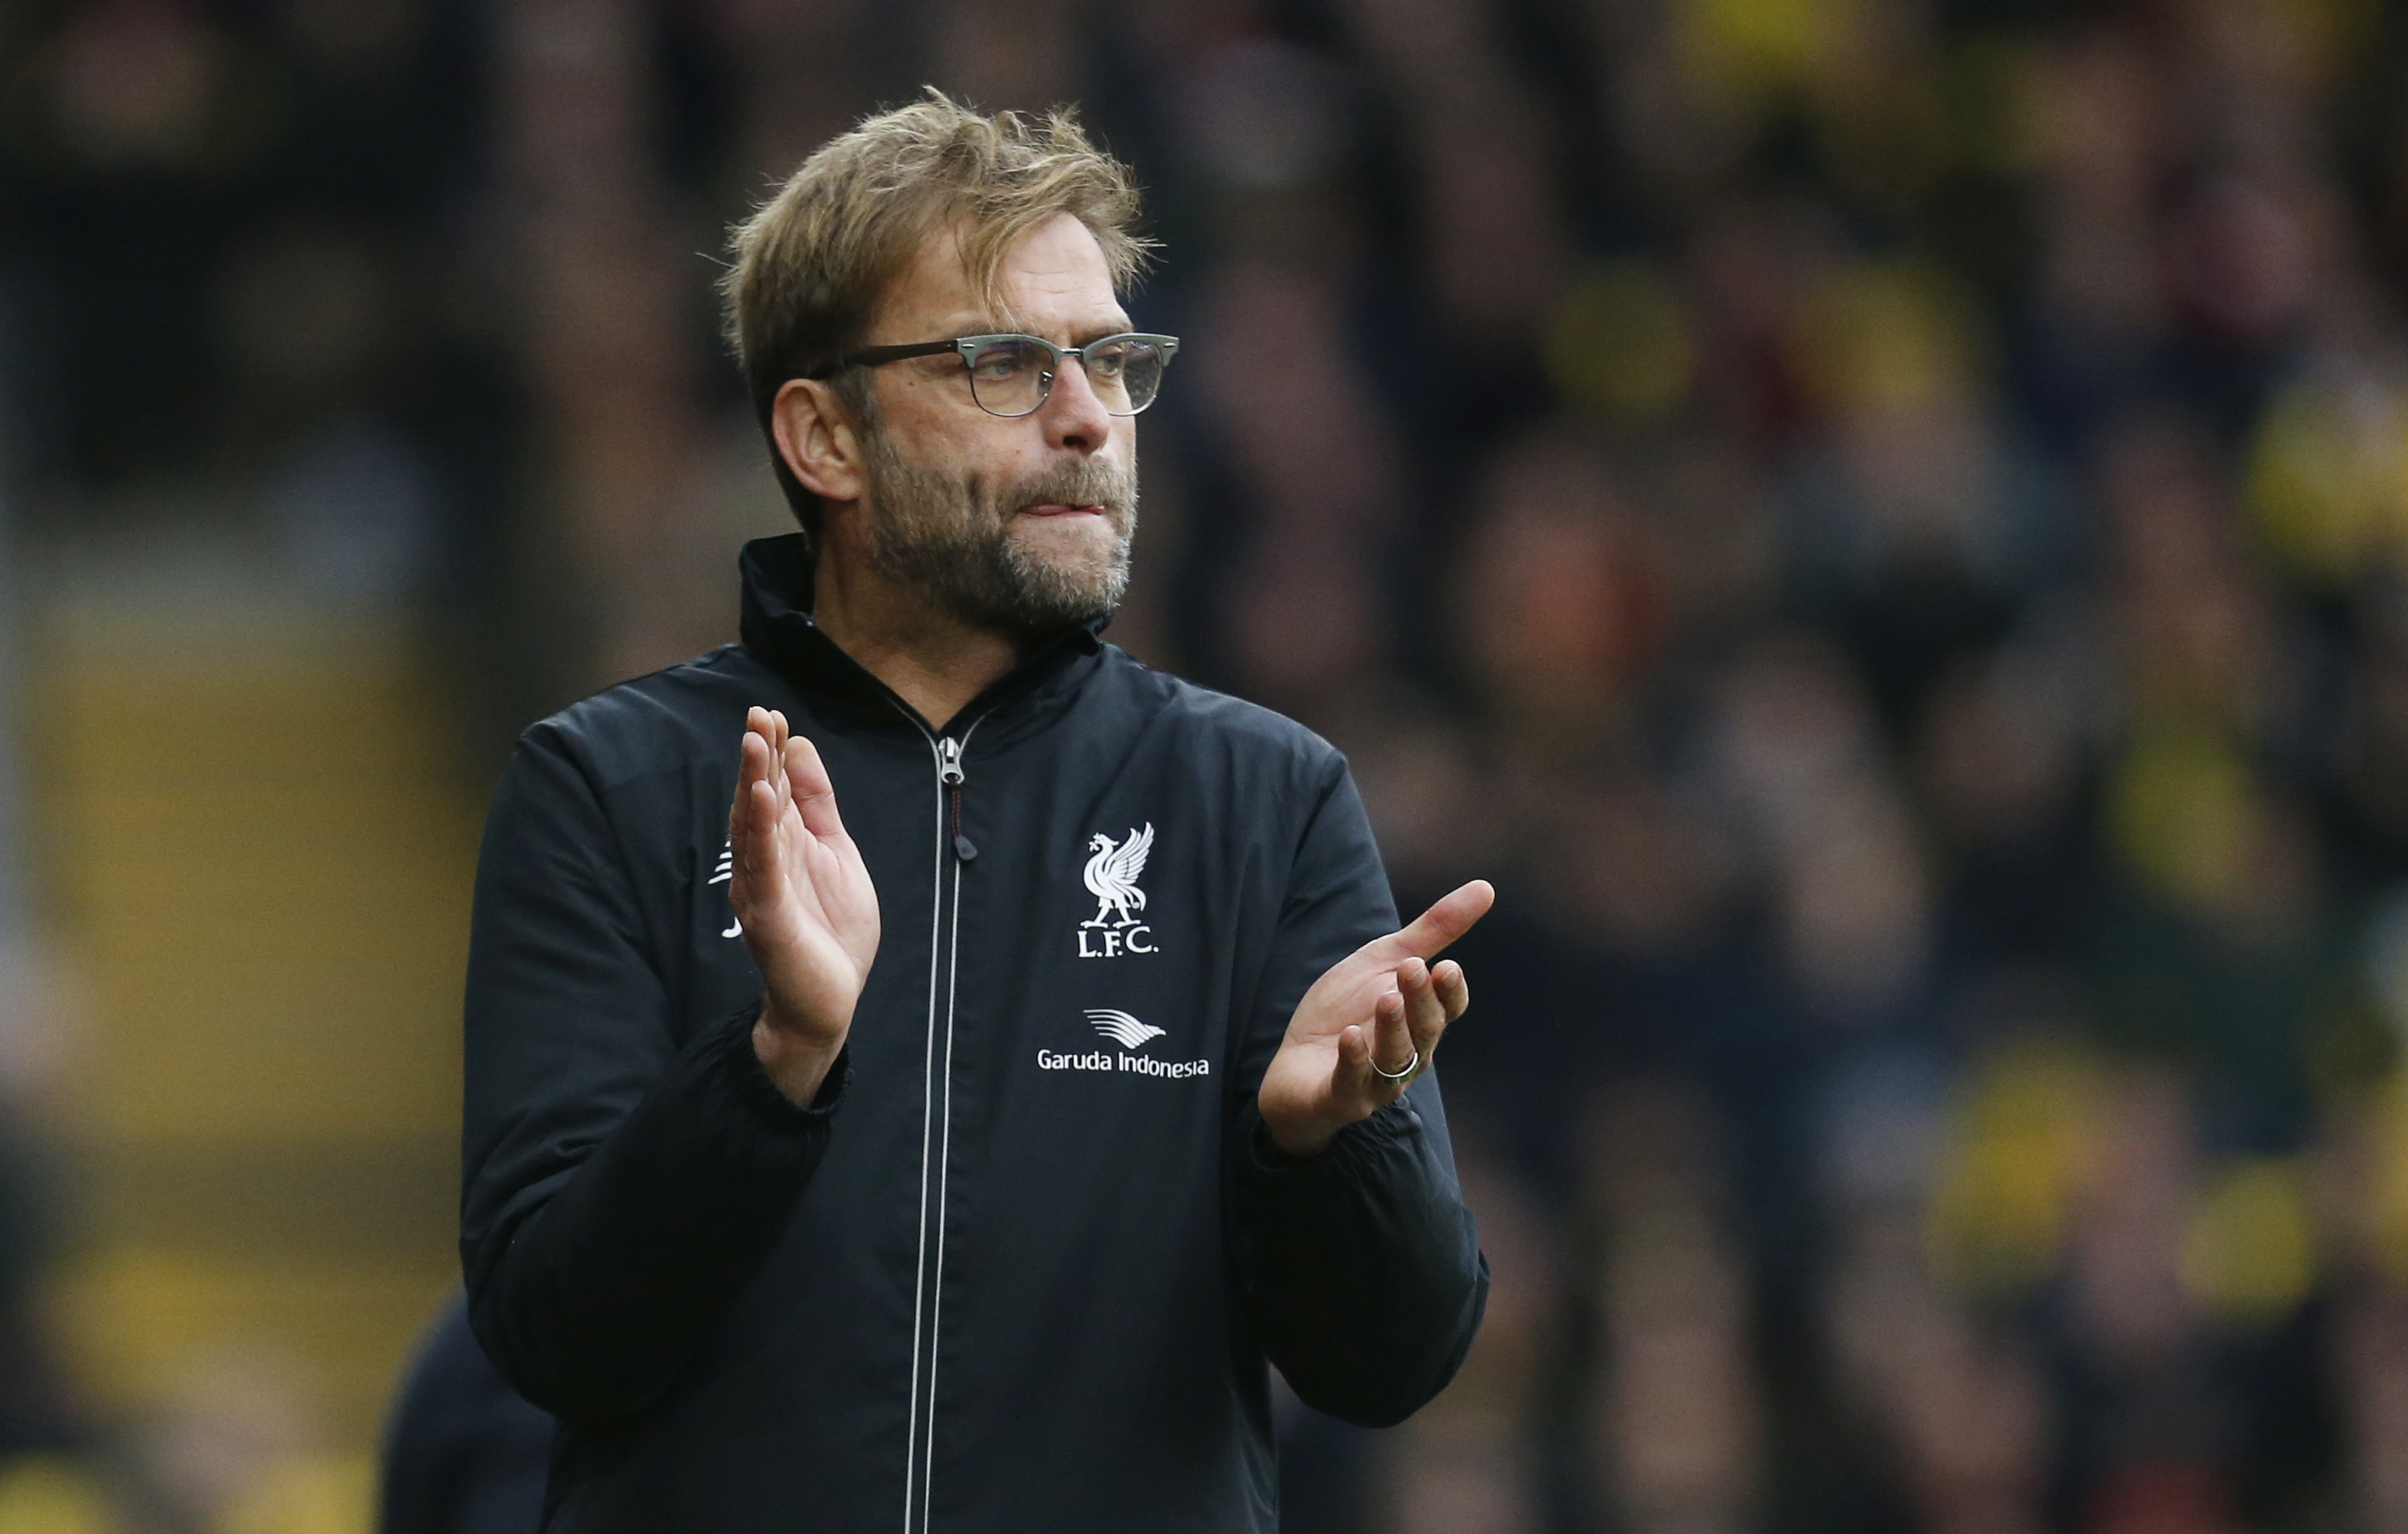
(1069, 580)
(1083, 543)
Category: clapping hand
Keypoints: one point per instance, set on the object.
(1381, 1005)
(804, 898)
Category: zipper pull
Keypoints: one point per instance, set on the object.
(949, 772)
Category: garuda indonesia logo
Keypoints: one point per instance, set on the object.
(1132, 1036)
(1113, 868)
(1123, 1029)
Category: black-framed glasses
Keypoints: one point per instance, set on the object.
(1011, 375)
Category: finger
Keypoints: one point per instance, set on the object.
(757, 854)
(1424, 1013)
(1453, 988)
(1392, 1045)
(752, 766)
(1351, 1080)
(807, 776)
(780, 734)
(752, 756)
(1427, 935)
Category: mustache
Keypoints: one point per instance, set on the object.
(1085, 482)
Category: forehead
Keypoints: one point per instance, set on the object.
(1053, 278)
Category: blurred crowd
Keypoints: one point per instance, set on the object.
(1881, 525)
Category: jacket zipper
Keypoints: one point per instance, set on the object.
(949, 772)
(944, 955)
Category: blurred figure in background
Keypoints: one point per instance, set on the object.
(464, 1453)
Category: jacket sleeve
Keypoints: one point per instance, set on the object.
(1359, 1271)
(619, 1186)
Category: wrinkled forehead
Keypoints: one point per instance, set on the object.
(1052, 281)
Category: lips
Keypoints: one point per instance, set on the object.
(1057, 509)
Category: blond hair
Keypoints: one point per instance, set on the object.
(812, 265)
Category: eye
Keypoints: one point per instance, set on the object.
(1109, 360)
(999, 362)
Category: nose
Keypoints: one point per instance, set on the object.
(1073, 418)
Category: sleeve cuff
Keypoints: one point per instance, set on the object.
(1385, 1125)
(754, 1088)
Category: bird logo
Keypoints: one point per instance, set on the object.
(1122, 1028)
(1112, 874)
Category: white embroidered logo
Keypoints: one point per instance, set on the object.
(725, 872)
(1111, 875)
(1122, 1028)
(1131, 1036)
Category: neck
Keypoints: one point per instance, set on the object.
(933, 660)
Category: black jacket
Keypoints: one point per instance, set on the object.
(1020, 1264)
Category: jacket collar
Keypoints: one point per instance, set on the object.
(779, 631)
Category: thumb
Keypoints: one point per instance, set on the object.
(1427, 935)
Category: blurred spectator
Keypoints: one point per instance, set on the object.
(463, 1453)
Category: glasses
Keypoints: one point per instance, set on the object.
(1013, 375)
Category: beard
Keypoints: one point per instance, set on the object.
(955, 539)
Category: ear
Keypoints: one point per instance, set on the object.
(816, 438)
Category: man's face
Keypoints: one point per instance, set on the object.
(1023, 521)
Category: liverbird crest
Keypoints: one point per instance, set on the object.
(1113, 873)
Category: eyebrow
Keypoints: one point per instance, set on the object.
(982, 324)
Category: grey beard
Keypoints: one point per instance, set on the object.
(949, 539)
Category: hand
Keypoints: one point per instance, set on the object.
(1383, 1001)
(803, 895)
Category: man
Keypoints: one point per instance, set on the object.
(921, 1063)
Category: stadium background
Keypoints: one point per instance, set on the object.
(1881, 525)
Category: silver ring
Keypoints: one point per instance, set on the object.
(1405, 1075)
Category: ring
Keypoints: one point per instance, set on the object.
(1410, 1066)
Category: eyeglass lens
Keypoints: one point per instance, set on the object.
(1013, 377)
